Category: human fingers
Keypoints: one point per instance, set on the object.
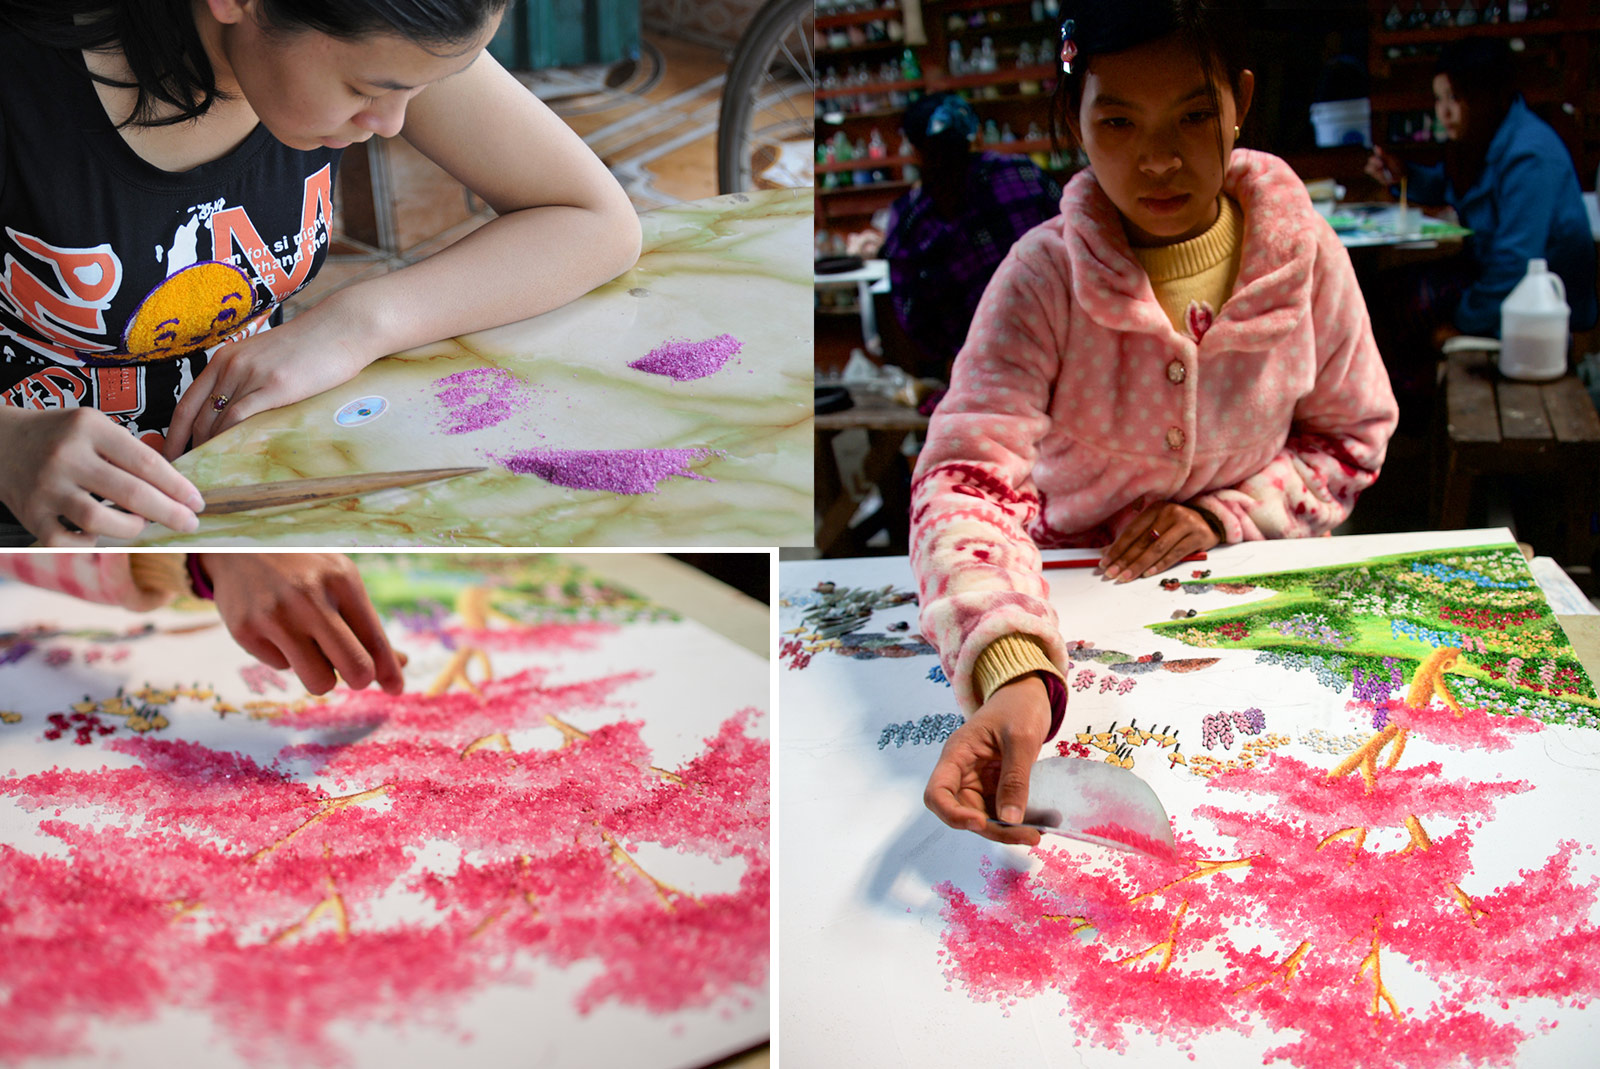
(1117, 555)
(181, 429)
(1125, 565)
(944, 793)
(214, 407)
(1012, 835)
(362, 619)
(1011, 788)
(1170, 555)
(307, 657)
(82, 515)
(128, 481)
(1177, 540)
(257, 646)
(53, 534)
(343, 650)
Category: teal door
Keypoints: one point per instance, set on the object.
(566, 33)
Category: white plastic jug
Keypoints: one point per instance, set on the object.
(1533, 327)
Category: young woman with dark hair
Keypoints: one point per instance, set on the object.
(1512, 182)
(1182, 358)
(166, 176)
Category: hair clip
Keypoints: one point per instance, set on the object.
(1069, 47)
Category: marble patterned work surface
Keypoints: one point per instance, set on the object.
(737, 442)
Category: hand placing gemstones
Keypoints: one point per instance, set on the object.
(1159, 537)
(306, 611)
(985, 763)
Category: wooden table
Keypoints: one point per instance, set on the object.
(886, 427)
(1495, 426)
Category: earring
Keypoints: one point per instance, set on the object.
(1236, 132)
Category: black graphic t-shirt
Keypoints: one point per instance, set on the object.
(117, 279)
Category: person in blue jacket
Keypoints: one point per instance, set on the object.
(1511, 181)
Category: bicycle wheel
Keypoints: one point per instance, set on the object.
(766, 130)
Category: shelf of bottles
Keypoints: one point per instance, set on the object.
(1408, 40)
(998, 53)
(1409, 29)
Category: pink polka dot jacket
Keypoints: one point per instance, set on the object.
(1075, 404)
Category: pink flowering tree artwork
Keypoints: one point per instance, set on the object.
(1330, 883)
(262, 894)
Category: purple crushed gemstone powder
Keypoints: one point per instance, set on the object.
(685, 360)
(480, 398)
(619, 471)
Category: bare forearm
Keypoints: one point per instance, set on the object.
(514, 267)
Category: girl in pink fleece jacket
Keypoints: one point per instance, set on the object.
(1182, 358)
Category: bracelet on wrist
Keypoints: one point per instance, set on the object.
(1213, 521)
(199, 581)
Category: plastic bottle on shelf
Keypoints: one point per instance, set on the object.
(991, 133)
(1533, 326)
(910, 69)
(956, 65)
(987, 61)
(904, 148)
(1036, 10)
(1025, 55)
(1006, 136)
(1468, 15)
(1052, 9)
(1034, 133)
(1516, 10)
(876, 149)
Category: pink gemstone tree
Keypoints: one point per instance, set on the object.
(389, 877)
(1333, 880)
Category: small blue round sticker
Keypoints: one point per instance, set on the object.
(361, 410)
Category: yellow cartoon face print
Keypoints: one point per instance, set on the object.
(192, 309)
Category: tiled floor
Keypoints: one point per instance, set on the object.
(657, 131)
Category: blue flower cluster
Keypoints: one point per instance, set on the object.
(1314, 628)
(931, 730)
(1433, 638)
(1440, 571)
(936, 675)
(1331, 672)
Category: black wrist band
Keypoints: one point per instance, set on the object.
(1213, 521)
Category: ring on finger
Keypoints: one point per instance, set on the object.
(1154, 534)
(219, 401)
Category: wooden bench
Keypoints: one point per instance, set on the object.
(1494, 426)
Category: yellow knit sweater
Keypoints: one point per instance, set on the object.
(1200, 270)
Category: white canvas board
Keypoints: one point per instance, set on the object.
(868, 943)
(683, 970)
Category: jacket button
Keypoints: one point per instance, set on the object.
(1174, 437)
(1176, 372)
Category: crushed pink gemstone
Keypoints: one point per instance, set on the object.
(617, 471)
(480, 397)
(685, 360)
